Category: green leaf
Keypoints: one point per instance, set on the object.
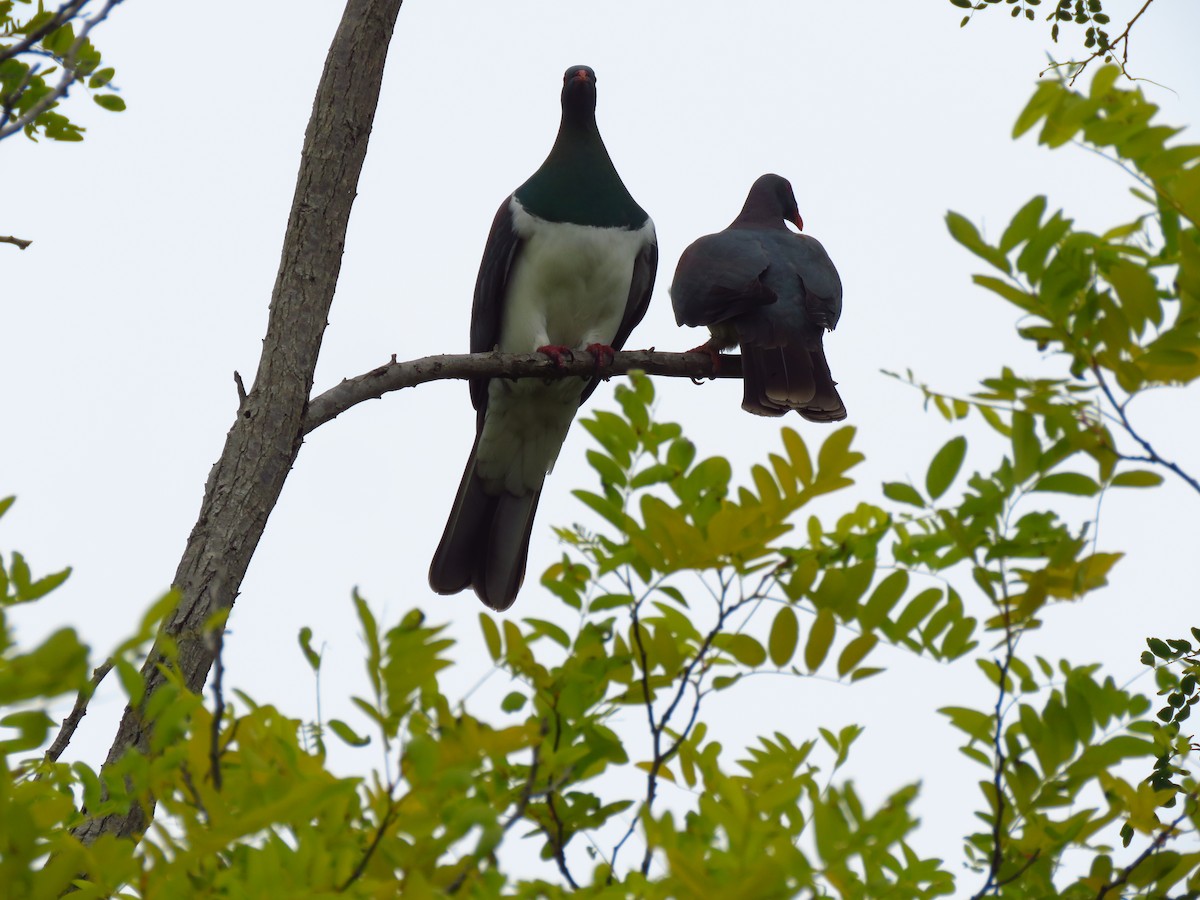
(348, 734)
(1024, 224)
(607, 469)
(903, 493)
(1026, 447)
(32, 725)
(111, 102)
(855, 652)
(1159, 648)
(968, 235)
(945, 465)
(819, 639)
(314, 658)
(491, 636)
(977, 725)
(785, 632)
(743, 648)
(513, 702)
(1068, 483)
(101, 78)
(886, 595)
(1137, 478)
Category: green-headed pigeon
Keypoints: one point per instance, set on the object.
(569, 265)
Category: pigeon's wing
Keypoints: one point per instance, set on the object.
(721, 276)
(491, 287)
(641, 286)
(820, 284)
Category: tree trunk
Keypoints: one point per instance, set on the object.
(261, 447)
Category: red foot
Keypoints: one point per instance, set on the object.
(558, 354)
(713, 354)
(603, 353)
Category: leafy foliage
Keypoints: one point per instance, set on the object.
(1086, 16)
(27, 93)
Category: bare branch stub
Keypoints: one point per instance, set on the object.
(21, 243)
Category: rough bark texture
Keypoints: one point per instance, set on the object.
(396, 375)
(262, 444)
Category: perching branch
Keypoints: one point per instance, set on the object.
(20, 242)
(395, 375)
(69, 74)
(261, 447)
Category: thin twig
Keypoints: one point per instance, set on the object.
(1152, 455)
(527, 793)
(1105, 51)
(1160, 839)
(393, 376)
(20, 242)
(559, 856)
(1001, 759)
(190, 784)
(71, 722)
(388, 815)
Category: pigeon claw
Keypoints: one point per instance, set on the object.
(713, 354)
(603, 354)
(558, 354)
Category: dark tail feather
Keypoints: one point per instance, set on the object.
(825, 405)
(485, 543)
(776, 379)
(780, 379)
(500, 569)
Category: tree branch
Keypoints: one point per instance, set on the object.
(1151, 454)
(1108, 50)
(20, 242)
(71, 722)
(395, 375)
(1166, 832)
(65, 13)
(261, 447)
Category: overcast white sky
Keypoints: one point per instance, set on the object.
(156, 243)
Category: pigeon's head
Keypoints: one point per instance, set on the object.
(771, 199)
(579, 90)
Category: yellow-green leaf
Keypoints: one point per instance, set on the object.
(785, 632)
(945, 465)
(855, 652)
(819, 639)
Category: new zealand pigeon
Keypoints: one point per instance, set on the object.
(772, 291)
(569, 265)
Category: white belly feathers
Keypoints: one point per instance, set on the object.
(568, 287)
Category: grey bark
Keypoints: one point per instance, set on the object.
(266, 436)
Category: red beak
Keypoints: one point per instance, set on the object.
(798, 222)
